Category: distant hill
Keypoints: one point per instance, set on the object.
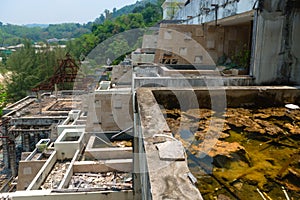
(36, 25)
(14, 34)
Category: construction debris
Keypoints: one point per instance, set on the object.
(107, 181)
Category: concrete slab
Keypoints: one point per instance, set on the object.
(171, 150)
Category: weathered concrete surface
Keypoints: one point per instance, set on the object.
(168, 179)
(27, 171)
(92, 152)
(171, 150)
(232, 96)
(110, 110)
(275, 38)
(43, 172)
(268, 46)
(69, 142)
(201, 44)
(295, 48)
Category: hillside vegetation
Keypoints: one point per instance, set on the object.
(142, 16)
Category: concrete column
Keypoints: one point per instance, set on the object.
(5, 152)
(26, 142)
(253, 43)
(5, 145)
(12, 158)
(36, 138)
(136, 168)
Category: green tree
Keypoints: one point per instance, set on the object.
(29, 68)
(3, 98)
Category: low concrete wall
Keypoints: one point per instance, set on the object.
(68, 175)
(181, 82)
(109, 153)
(61, 128)
(106, 153)
(227, 96)
(43, 173)
(117, 165)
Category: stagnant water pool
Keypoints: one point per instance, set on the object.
(241, 153)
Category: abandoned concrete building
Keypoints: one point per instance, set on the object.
(185, 120)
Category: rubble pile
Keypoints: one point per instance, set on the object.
(106, 181)
(56, 175)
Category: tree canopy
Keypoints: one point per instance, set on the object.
(141, 15)
(29, 68)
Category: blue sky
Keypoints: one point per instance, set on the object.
(55, 11)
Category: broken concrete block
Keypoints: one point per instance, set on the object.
(171, 150)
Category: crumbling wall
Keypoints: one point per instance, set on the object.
(276, 58)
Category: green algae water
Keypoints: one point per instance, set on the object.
(257, 157)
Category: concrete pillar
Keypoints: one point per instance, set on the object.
(36, 138)
(26, 142)
(5, 145)
(12, 158)
(5, 152)
(136, 174)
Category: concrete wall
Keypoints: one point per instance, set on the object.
(43, 173)
(142, 58)
(259, 96)
(121, 75)
(268, 46)
(201, 44)
(276, 53)
(150, 41)
(110, 111)
(295, 47)
(116, 165)
(27, 171)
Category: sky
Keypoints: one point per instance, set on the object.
(22, 12)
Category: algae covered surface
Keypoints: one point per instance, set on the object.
(241, 153)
